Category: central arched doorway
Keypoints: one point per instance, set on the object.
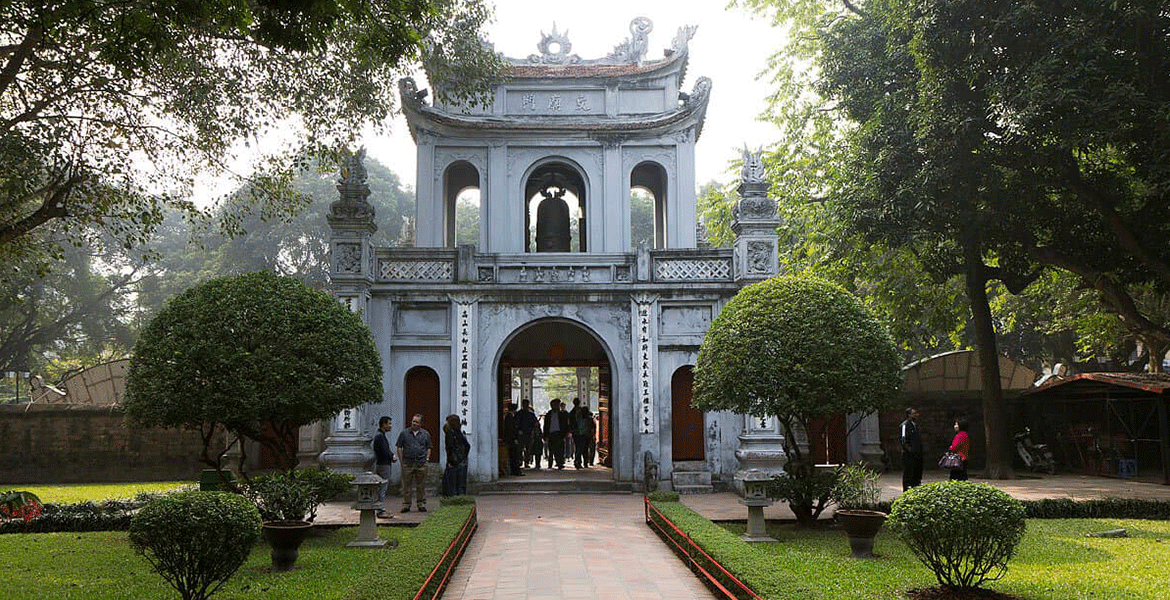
(558, 358)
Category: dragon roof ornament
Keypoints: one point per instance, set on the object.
(556, 49)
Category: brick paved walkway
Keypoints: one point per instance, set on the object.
(569, 547)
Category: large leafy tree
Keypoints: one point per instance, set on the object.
(79, 314)
(991, 138)
(108, 108)
(803, 350)
(259, 355)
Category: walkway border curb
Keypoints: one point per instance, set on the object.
(449, 561)
(685, 547)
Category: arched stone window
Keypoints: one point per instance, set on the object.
(648, 186)
(554, 215)
(461, 192)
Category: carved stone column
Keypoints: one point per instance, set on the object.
(584, 385)
(754, 222)
(351, 273)
(761, 452)
(526, 374)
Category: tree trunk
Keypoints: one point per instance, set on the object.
(995, 426)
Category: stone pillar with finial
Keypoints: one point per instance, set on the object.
(754, 222)
(351, 273)
(761, 445)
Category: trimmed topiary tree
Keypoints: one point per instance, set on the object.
(196, 540)
(804, 350)
(259, 355)
(965, 532)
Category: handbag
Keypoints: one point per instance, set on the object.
(950, 461)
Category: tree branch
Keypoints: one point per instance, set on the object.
(53, 207)
(32, 38)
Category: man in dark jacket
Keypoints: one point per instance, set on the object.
(556, 425)
(383, 458)
(527, 424)
(511, 438)
(911, 450)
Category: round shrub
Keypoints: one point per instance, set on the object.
(258, 354)
(803, 350)
(196, 540)
(964, 532)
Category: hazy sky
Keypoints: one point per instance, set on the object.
(729, 46)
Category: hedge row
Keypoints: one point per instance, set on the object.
(1067, 508)
(401, 573)
(107, 515)
(723, 547)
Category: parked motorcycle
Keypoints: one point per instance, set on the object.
(1036, 457)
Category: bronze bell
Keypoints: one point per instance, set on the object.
(552, 222)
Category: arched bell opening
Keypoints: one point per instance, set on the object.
(648, 205)
(461, 195)
(554, 215)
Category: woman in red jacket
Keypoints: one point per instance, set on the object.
(961, 446)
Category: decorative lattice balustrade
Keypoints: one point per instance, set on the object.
(692, 269)
(442, 265)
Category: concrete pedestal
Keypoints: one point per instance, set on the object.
(367, 536)
(756, 525)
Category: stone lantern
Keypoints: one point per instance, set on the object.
(755, 498)
(367, 485)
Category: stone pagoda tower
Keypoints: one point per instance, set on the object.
(554, 279)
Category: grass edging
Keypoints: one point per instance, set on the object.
(716, 553)
(420, 566)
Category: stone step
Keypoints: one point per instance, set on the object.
(564, 485)
(690, 478)
(694, 489)
(690, 465)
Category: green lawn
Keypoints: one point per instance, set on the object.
(1054, 562)
(102, 566)
(78, 492)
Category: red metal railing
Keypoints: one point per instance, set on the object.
(458, 545)
(692, 551)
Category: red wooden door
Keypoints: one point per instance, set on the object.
(422, 398)
(686, 421)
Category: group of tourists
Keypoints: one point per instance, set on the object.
(912, 449)
(560, 433)
(526, 437)
(413, 450)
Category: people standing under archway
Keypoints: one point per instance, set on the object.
(556, 426)
(511, 438)
(528, 426)
(583, 437)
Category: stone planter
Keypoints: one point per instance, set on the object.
(861, 526)
(285, 538)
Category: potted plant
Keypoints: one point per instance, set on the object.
(286, 503)
(856, 492)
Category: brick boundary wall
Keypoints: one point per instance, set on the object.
(62, 443)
